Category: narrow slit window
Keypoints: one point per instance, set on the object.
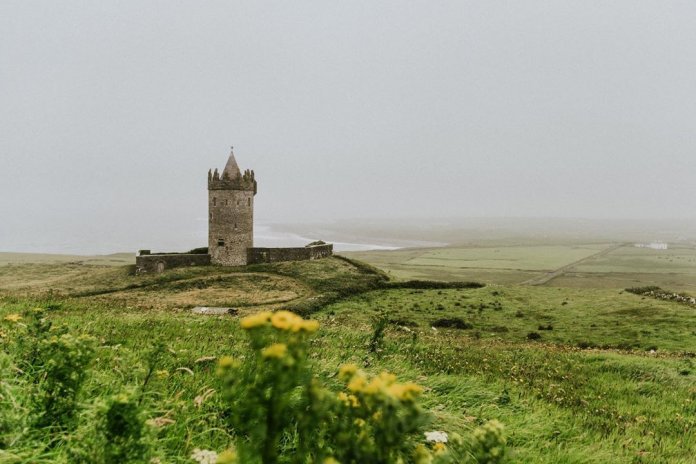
(248, 201)
(214, 201)
(221, 242)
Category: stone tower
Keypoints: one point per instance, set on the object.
(230, 214)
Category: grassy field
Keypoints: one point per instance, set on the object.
(511, 263)
(116, 259)
(609, 377)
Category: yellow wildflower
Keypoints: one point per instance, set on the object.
(256, 320)
(13, 317)
(347, 371)
(331, 460)
(377, 416)
(421, 455)
(285, 320)
(343, 397)
(228, 362)
(387, 378)
(227, 457)
(439, 448)
(354, 402)
(310, 326)
(357, 383)
(162, 374)
(359, 422)
(277, 350)
(375, 386)
(405, 391)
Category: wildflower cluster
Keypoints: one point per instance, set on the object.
(489, 443)
(376, 419)
(267, 391)
(281, 412)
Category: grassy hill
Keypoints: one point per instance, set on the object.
(576, 375)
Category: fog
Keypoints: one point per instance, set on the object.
(112, 112)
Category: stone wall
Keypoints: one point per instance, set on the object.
(146, 263)
(275, 255)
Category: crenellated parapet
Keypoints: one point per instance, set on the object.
(224, 181)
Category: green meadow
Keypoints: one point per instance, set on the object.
(586, 265)
(576, 375)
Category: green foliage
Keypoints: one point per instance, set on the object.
(115, 434)
(433, 285)
(270, 390)
(64, 360)
(379, 325)
(12, 414)
(559, 403)
(453, 322)
(489, 443)
(283, 414)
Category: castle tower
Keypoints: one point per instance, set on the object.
(230, 214)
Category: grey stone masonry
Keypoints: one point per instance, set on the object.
(146, 263)
(230, 214)
(275, 255)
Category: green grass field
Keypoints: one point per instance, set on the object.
(511, 263)
(610, 377)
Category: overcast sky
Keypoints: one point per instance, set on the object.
(112, 112)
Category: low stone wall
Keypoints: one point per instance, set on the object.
(156, 263)
(275, 255)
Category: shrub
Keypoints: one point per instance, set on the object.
(12, 414)
(453, 323)
(116, 433)
(64, 360)
(404, 322)
(54, 361)
(280, 412)
(545, 327)
(489, 443)
(533, 336)
(379, 325)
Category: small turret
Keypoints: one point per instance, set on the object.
(232, 178)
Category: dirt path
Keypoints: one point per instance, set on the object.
(549, 276)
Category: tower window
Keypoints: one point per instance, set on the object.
(227, 202)
(235, 226)
(249, 201)
(237, 202)
(221, 242)
(214, 201)
(211, 216)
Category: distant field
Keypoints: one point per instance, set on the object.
(504, 264)
(629, 259)
(627, 266)
(516, 258)
(116, 259)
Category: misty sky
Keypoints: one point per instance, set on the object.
(112, 112)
